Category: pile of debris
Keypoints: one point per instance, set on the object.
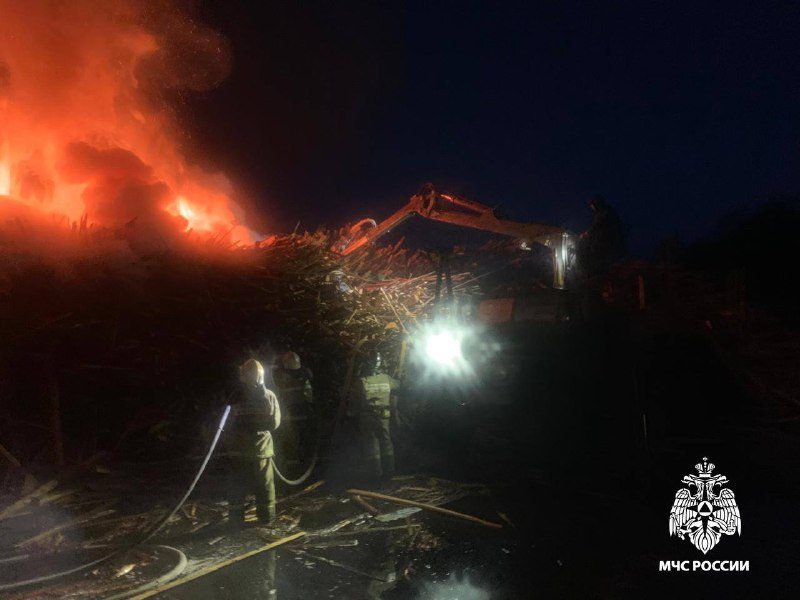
(101, 344)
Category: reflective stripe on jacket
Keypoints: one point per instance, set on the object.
(372, 395)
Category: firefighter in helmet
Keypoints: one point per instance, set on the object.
(293, 385)
(255, 415)
(370, 400)
(604, 242)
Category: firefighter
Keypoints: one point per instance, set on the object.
(255, 414)
(293, 385)
(370, 401)
(603, 243)
(599, 247)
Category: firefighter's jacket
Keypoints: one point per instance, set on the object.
(371, 396)
(603, 243)
(294, 388)
(255, 414)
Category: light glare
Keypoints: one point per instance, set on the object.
(443, 348)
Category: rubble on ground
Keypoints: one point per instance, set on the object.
(82, 522)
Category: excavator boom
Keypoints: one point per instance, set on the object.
(448, 208)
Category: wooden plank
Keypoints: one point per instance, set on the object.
(365, 505)
(95, 514)
(39, 492)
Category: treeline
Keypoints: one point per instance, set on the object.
(765, 244)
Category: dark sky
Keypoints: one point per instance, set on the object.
(678, 112)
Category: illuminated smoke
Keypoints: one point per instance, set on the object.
(453, 589)
(84, 125)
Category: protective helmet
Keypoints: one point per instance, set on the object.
(251, 372)
(290, 360)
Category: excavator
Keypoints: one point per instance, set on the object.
(430, 203)
(448, 345)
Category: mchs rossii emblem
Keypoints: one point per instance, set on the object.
(705, 509)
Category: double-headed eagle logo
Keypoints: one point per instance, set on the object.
(707, 512)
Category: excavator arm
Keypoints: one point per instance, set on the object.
(448, 208)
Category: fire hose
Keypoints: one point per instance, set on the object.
(314, 459)
(148, 535)
(157, 527)
(312, 464)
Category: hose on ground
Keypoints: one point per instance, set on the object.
(143, 539)
(168, 576)
(302, 477)
(314, 459)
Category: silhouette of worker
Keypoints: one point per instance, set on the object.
(603, 243)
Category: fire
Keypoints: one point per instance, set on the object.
(5, 178)
(185, 210)
(83, 127)
(5, 171)
(201, 219)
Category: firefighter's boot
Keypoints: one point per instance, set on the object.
(266, 513)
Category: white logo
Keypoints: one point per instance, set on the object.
(704, 515)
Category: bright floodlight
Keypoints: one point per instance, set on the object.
(443, 348)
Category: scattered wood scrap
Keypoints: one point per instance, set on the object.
(217, 566)
(430, 507)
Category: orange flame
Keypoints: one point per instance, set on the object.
(5, 178)
(83, 127)
(185, 210)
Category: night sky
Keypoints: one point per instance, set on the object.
(678, 112)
